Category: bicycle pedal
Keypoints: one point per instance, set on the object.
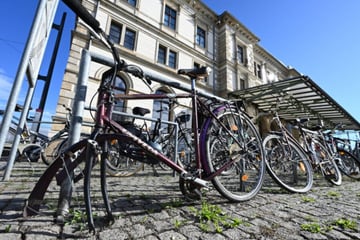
(196, 180)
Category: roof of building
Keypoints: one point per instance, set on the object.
(300, 97)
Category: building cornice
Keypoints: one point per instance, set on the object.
(230, 20)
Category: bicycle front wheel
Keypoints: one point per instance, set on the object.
(326, 163)
(234, 153)
(349, 164)
(287, 164)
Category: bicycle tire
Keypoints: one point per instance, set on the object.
(52, 150)
(287, 164)
(167, 144)
(121, 166)
(326, 164)
(349, 165)
(243, 179)
(72, 157)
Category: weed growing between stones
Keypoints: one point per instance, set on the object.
(213, 218)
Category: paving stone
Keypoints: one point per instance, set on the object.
(152, 208)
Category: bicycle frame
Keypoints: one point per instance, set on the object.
(103, 120)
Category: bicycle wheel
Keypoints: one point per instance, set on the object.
(70, 160)
(166, 142)
(52, 150)
(348, 164)
(186, 150)
(287, 164)
(118, 165)
(71, 157)
(326, 164)
(235, 147)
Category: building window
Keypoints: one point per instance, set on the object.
(161, 55)
(242, 84)
(167, 56)
(172, 59)
(129, 41)
(200, 37)
(257, 70)
(119, 34)
(132, 2)
(161, 107)
(240, 54)
(115, 32)
(170, 17)
(120, 87)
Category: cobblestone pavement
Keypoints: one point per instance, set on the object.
(149, 207)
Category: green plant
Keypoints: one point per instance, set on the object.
(311, 227)
(77, 218)
(179, 223)
(333, 194)
(308, 199)
(7, 228)
(213, 215)
(345, 223)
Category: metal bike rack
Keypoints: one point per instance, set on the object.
(30, 65)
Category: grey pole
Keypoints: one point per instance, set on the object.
(74, 132)
(14, 149)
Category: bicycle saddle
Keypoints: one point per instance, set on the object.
(195, 72)
(140, 111)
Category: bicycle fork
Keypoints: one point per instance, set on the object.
(93, 150)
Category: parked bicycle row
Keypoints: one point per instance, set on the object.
(294, 152)
(222, 148)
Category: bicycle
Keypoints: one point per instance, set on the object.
(346, 161)
(321, 156)
(35, 145)
(286, 161)
(242, 151)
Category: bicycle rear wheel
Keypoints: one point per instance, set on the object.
(349, 164)
(235, 148)
(326, 164)
(287, 164)
(118, 165)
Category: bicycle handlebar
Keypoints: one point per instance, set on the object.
(82, 12)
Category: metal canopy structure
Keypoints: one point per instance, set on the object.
(300, 97)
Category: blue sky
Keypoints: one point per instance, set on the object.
(320, 38)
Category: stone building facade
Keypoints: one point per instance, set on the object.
(163, 36)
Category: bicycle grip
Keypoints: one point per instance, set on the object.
(83, 13)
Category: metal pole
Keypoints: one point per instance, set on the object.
(49, 74)
(20, 127)
(74, 132)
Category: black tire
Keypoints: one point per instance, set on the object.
(288, 164)
(52, 150)
(326, 163)
(73, 157)
(243, 179)
(119, 165)
(348, 164)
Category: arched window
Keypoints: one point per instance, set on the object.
(161, 107)
(120, 87)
